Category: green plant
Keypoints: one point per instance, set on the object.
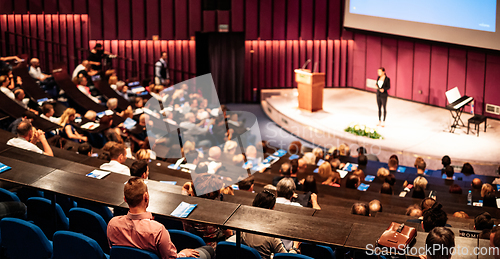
(362, 130)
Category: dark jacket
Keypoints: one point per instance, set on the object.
(386, 86)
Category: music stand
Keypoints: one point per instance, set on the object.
(452, 96)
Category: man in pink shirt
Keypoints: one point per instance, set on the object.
(138, 229)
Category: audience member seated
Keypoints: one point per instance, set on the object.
(375, 206)
(445, 161)
(140, 169)
(362, 162)
(36, 72)
(414, 211)
(360, 209)
(352, 182)
(285, 172)
(393, 164)
(386, 189)
(390, 179)
(382, 173)
(81, 83)
(460, 214)
(427, 203)
(420, 165)
(325, 172)
(122, 90)
(67, 130)
(476, 184)
(138, 229)
(48, 113)
(318, 153)
(79, 68)
(443, 240)
(247, 184)
(485, 223)
(143, 154)
(455, 188)
(488, 195)
(4, 87)
(90, 115)
(266, 246)
(371, 157)
(419, 186)
(467, 169)
(27, 116)
(228, 190)
(434, 217)
(359, 173)
(118, 155)
(28, 136)
(449, 171)
(286, 190)
(309, 184)
(202, 187)
(85, 149)
(295, 148)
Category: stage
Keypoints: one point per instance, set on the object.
(411, 129)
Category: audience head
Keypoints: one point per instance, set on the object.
(136, 193)
(460, 214)
(318, 152)
(214, 153)
(386, 189)
(483, 221)
(444, 241)
(192, 157)
(67, 116)
(112, 103)
(417, 161)
(271, 188)
(467, 169)
(35, 62)
(427, 203)
(362, 160)
(85, 149)
(286, 169)
(228, 190)
(310, 185)
(359, 173)
(246, 184)
(48, 109)
(390, 179)
(420, 183)
(375, 206)
(90, 115)
(446, 161)
(19, 94)
(360, 209)
(24, 130)
(449, 171)
(309, 158)
(455, 188)
(143, 154)
(286, 188)
(140, 169)
(352, 182)
(207, 186)
(4, 81)
(264, 199)
(251, 152)
(477, 183)
(230, 147)
(325, 170)
(395, 157)
(361, 151)
(393, 164)
(382, 173)
(118, 152)
(414, 211)
(420, 165)
(487, 190)
(301, 165)
(344, 150)
(434, 217)
(143, 119)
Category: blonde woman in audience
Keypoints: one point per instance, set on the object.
(344, 150)
(461, 214)
(325, 171)
(318, 153)
(188, 146)
(143, 154)
(382, 173)
(419, 186)
(227, 190)
(67, 130)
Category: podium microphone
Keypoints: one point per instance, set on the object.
(305, 64)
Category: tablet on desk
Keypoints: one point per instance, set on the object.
(129, 123)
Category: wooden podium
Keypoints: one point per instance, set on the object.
(310, 87)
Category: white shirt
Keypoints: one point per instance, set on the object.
(282, 200)
(52, 119)
(380, 83)
(36, 73)
(8, 92)
(116, 167)
(77, 70)
(24, 144)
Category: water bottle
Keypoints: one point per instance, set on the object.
(469, 198)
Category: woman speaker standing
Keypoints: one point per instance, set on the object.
(383, 85)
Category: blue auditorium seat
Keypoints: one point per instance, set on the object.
(123, 252)
(227, 250)
(291, 256)
(74, 245)
(6, 195)
(22, 239)
(41, 212)
(317, 251)
(90, 224)
(183, 239)
(102, 210)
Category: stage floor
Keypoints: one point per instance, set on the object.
(411, 129)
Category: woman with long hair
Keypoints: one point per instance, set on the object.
(67, 130)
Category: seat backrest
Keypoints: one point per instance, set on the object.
(123, 252)
(22, 239)
(317, 251)
(74, 245)
(102, 210)
(228, 250)
(90, 224)
(291, 256)
(8, 196)
(41, 212)
(183, 239)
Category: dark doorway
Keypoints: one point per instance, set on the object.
(223, 55)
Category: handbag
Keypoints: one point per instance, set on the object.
(398, 236)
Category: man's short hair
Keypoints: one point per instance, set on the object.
(98, 45)
(84, 149)
(393, 162)
(467, 169)
(420, 183)
(295, 148)
(477, 183)
(375, 206)
(46, 108)
(286, 169)
(207, 186)
(434, 217)
(483, 221)
(446, 161)
(264, 199)
(138, 168)
(246, 183)
(386, 189)
(444, 238)
(352, 182)
(360, 209)
(285, 188)
(362, 160)
(117, 150)
(427, 203)
(191, 156)
(134, 191)
(449, 171)
(414, 211)
(420, 164)
(24, 128)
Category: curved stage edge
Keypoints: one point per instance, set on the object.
(412, 129)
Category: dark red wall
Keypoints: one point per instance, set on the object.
(281, 35)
